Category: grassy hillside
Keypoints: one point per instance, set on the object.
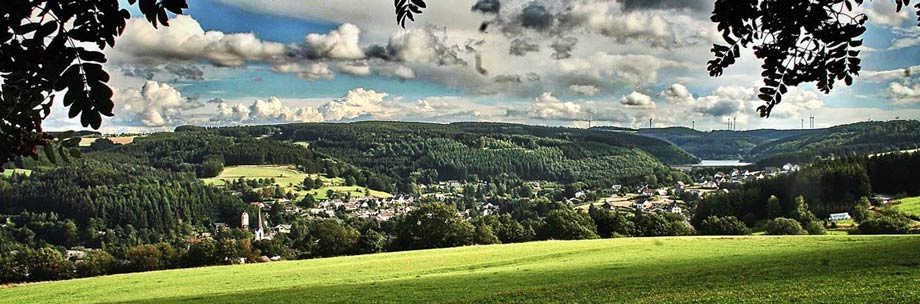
(909, 206)
(863, 138)
(10, 172)
(827, 269)
(289, 178)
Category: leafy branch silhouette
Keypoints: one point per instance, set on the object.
(41, 59)
(406, 8)
(798, 41)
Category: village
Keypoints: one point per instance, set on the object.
(677, 198)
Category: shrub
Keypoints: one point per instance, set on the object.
(888, 224)
(815, 228)
(652, 224)
(434, 225)
(97, 262)
(564, 224)
(681, 228)
(861, 211)
(724, 225)
(484, 235)
(784, 226)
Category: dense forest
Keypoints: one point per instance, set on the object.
(769, 147)
(101, 196)
(465, 150)
(863, 137)
(203, 153)
(827, 186)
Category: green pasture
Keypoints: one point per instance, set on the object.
(788, 269)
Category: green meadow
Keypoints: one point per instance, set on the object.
(10, 172)
(803, 269)
(909, 206)
(290, 178)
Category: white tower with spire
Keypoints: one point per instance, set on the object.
(260, 234)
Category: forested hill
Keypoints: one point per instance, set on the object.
(116, 204)
(718, 144)
(862, 138)
(769, 147)
(461, 150)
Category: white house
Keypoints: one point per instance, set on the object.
(282, 228)
(676, 209)
(839, 216)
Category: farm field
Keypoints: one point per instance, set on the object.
(10, 172)
(121, 140)
(809, 269)
(289, 178)
(909, 206)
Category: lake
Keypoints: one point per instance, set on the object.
(721, 163)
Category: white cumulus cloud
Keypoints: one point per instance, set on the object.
(639, 100)
(153, 105)
(184, 39)
(341, 43)
(356, 103)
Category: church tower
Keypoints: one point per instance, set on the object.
(260, 234)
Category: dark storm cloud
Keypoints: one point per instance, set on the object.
(377, 51)
(535, 16)
(487, 6)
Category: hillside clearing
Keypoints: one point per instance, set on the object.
(828, 269)
(10, 172)
(121, 140)
(290, 178)
(909, 206)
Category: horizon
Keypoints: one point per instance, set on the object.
(487, 122)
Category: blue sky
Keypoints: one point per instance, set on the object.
(247, 62)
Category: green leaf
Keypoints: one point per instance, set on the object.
(75, 153)
(49, 153)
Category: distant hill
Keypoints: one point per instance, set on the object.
(862, 138)
(770, 147)
(460, 150)
(719, 144)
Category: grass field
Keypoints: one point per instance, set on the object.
(121, 140)
(9, 172)
(290, 178)
(910, 206)
(803, 269)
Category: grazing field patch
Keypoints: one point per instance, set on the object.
(10, 172)
(289, 178)
(909, 206)
(803, 269)
(120, 140)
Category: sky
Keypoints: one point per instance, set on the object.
(558, 63)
